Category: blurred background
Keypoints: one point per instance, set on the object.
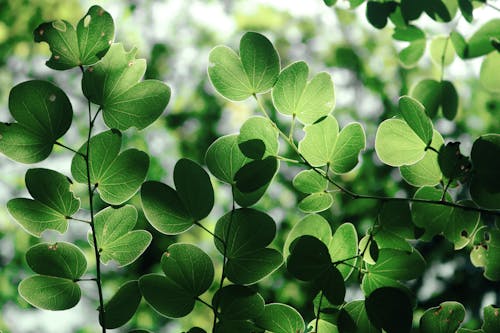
(175, 36)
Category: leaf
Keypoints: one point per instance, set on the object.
(410, 55)
(491, 322)
(487, 75)
(433, 218)
(83, 46)
(61, 259)
(117, 176)
(385, 304)
(344, 245)
(398, 265)
(428, 92)
(479, 43)
(396, 217)
(350, 141)
(256, 174)
(224, 158)
(461, 225)
(466, 9)
(194, 188)
(189, 268)
(313, 225)
(449, 100)
(485, 156)
(253, 267)
(414, 114)
(445, 318)
(310, 100)
(53, 202)
(332, 285)
(425, 172)
(453, 164)
(308, 259)
(396, 144)
(323, 327)
(316, 202)
(254, 71)
(115, 238)
(353, 319)
(164, 209)
(378, 12)
(258, 138)
(411, 10)
(309, 181)
(240, 326)
(154, 287)
(49, 292)
(442, 51)
(372, 282)
(408, 33)
(113, 84)
(492, 255)
(280, 318)
(43, 113)
(318, 144)
(238, 303)
(244, 231)
(123, 305)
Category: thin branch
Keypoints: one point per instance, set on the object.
(207, 304)
(343, 261)
(443, 57)
(318, 313)
(57, 143)
(85, 279)
(288, 160)
(210, 232)
(77, 219)
(492, 6)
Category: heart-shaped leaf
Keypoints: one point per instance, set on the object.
(237, 302)
(117, 176)
(310, 181)
(254, 266)
(123, 305)
(316, 202)
(43, 113)
(84, 45)
(344, 245)
(318, 144)
(113, 84)
(350, 142)
(445, 318)
(280, 318)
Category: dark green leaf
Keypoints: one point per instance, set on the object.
(449, 100)
(313, 225)
(256, 174)
(428, 92)
(49, 292)
(308, 258)
(398, 265)
(344, 245)
(224, 158)
(237, 302)
(384, 305)
(332, 285)
(410, 55)
(485, 156)
(258, 138)
(433, 218)
(253, 267)
(466, 9)
(491, 322)
(487, 75)
(378, 12)
(240, 326)
(123, 305)
(445, 318)
(61, 259)
(453, 164)
(280, 318)
(353, 319)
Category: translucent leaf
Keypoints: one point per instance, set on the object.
(372, 282)
(385, 304)
(253, 267)
(188, 267)
(491, 322)
(123, 305)
(61, 259)
(313, 225)
(113, 84)
(350, 141)
(309, 181)
(254, 71)
(316, 202)
(258, 138)
(310, 100)
(353, 319)
(408, 33)
(410, 55)
(396, 144)
(256, 174)
(398, 265)
(237, 302)
(323, 327)
(244, 231)
(49, 292)
(445, 318)
(194, 188)
(441, 46)
(425, 172)
(384, 238)
(413, 113)
(179, 302)
(344, 245)
(83, 46)
(318, 144)
(164, 209)
(461, 225)
(308, 258)
(280, 318)
(115, 237)
(224, 158)
(479, 43)
(487, 76)
(118, 176)
(43, 113)
(53, 202)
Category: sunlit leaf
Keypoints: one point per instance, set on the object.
(413, 113)
(442, 51)
(258, 138)
(398, 265)
(280, 318)
(60, 259)
(353, 319)
(410, 55)
(316, 202)
(49, 292)
(310, 181)
(344, 245)
(318, 144)
(312, 225)
(487, 76)
(350, 141)
(445, 318)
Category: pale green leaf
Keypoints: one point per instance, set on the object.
(350, 141)
(316, 202)
(413, 113)
(280, 318)
(49, 292)
(318, 144)
(310, 181)
(60, 259)
(344, 245)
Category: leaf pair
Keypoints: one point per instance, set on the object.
(437, 95)
(315, 185)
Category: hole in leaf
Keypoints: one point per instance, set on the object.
(86, 21)
(464, 233)
(59, 25)
(486, 236)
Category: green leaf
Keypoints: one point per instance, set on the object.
(254, 71)
(189, 268)
(237, 302)
(479, 43)
(194, 188)
(425, 172)
(398, 265)
(332, 285)
(428, 92)
(308, 258)
(61, 259)
(372, 282)
(410, 55)
(385, 238)
(413, 113)
(396, 217)
(49, 292)
(179, 302)
(164, 209)
(83, 46)
(253, 267)
(123, 305)
(408, 33)
(485, 156)
(53, 202)
(280, 318)
(385, 304)
(258, 138)
(445, 318)
(240, 326)
(461, 225)
(330, 2)
(487, 76)
(378, 12)
(433, 218)
(316, 202)
(353, 319)
(256, 174)
(441, 46)
(318, 144)
(449, 100)
(452, 163)
(116, 240)
(466, 9)
(113, 84)
(350, 141)
(396, 144)
(43, 113)
(344, 245)
(224, 158)
(492, 255)
(309, 181)
(310, 100)
(118, 176)
(491, 322)
(244, 231)
(482, 195)
(323, 327)
(312, 225)
(411, 10)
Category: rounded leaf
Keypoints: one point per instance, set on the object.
(313, 225)
(123, 305)
(487, 76)
(60, 259)
(442, 51)
(308, 258)
(384, 305)
(350, 141)
(280, 318)
(224, 158)
(49, 292)
(258, 138)
(445, 318)
(310, 181)
(413, 113)
(253, 267)
(318, 144)
(237, 302)
(344, 245)
(316, 202)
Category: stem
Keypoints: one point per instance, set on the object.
(202, 301)
(432, 149)
(343, 261)
(318, 314)
(491, 6)
(77, 219)
(211, 233)
(57, 143)
(292, 127)
(289, 160)
(443, 57)
(445, 190)
(85, 279)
